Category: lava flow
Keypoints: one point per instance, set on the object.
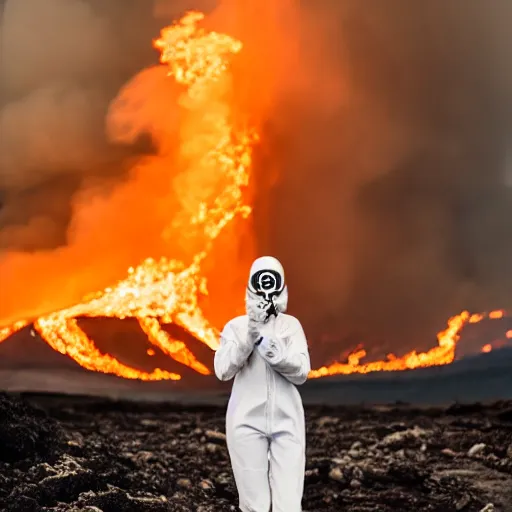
(168, 291)
(443, 353)
(164, 291)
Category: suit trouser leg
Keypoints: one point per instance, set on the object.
(287, 468)
(248, 450)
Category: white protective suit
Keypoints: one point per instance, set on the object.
(267, 353)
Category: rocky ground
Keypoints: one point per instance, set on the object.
(67, 454)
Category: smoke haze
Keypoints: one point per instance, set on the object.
(392, 211)
(72, 166)
(381, 179)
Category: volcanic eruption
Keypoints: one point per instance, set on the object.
(372, 174)
(212, 164)
(168, 290)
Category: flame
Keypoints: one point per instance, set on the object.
(167, 291)
(442, 354)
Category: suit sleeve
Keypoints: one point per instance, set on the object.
(231, 355)
(288, 355)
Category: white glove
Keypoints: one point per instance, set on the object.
(253, 334)
(256, 307)
(271, 350)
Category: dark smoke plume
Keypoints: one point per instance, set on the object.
(393, 209)
(62, 62)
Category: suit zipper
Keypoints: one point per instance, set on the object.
(272, 398)
(269, 398)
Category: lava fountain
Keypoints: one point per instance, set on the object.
(164, 290)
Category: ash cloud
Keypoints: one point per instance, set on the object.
(392, 210)
(61, 64)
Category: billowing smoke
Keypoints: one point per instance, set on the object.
(71, 184)
(381, 178)
(392, 211)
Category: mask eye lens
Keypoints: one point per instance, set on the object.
(267, 283)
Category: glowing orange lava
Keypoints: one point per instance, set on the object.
(443, 353)
(168, 291)
(164, 291)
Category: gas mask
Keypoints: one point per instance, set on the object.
(266, 294)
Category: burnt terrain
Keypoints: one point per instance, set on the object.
(62, 453)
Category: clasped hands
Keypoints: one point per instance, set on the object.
(268, 347)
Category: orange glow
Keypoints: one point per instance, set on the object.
(216, 148)
(15, 327)
(443, 353)
(164, 290)
(487, 348)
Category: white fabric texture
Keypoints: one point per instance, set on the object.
(266, 263)
(265, 425)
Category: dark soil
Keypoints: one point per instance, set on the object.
(96, 455)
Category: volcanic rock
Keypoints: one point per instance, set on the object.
(26, 431)
(102, 456)
(476, 449)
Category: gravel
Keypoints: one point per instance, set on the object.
(62, 453)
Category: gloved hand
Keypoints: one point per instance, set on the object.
(257, 307)
(271, 349)
(253, 333)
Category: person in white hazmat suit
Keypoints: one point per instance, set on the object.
(267, 353)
